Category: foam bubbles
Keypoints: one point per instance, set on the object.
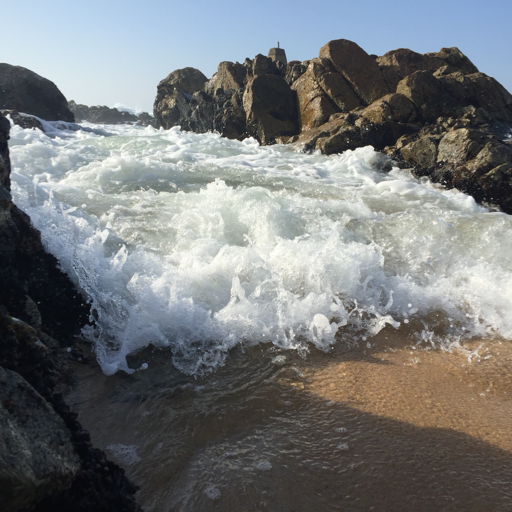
(264, 465)
(212, 492)
(199, 243)
(124, 454)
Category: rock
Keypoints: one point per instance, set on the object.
(23, 120)
(422, 152)
(314, 106)
(294, 70)
(359, 69)
(27, 92)
(173, 95)
(397, 64)
(458, 146)
(334, 85)
(270, 108)
(428, 95)
(455, 59)
(101, 114)
(27, 269)
(36, 451)
(229, 76)
(145, 119)
(262, 65)
(480, 91)
(392, 107)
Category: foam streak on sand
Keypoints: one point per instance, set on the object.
(201, 243)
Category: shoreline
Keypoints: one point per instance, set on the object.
(372, 410)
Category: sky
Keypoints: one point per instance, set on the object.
(108, 52)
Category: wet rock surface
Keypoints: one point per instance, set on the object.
(46, 459)
(407, 104)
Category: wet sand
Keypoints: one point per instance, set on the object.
(391, 428)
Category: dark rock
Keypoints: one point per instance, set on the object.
(24, 120)
(359, 69)
(33, 443)
(106, 115)
(270, 108)
(145, 119)
(36, 450)
(27, 92)
(294, 70)
(262, 65)
(173, 95)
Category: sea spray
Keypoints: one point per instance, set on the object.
(199, 243)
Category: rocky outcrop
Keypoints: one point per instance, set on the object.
(46, 458)
(27, 92)
(433, 112)
(270, 108)
(107, 115)
(240, 100)
(358, 68)
(37, 454)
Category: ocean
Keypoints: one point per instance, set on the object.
(272, 325)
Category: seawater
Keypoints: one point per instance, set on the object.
(314, 333)
(201, 244)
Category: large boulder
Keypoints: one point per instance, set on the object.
(359, 69)
(479, 90)
(27, 92)
(397, 64)
(294, 70)
(427, 94)
(392, 107)
(314, 106)
(229, 76)
(270, 108)
(173, 95)
(36, 451)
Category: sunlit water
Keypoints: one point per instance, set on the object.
(201, 244)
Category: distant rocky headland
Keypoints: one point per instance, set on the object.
(107, 115)
(434, 112)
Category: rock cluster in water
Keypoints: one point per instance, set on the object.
(107, 115)
(25, 91)
(46, 459)
(434, 112)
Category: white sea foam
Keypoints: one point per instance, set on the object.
(200, 243)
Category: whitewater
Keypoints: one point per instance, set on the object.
(201, 244)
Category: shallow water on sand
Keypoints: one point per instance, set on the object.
(391, 428)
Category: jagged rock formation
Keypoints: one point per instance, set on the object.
(107, 115)
(27, 92)
(240, 100)
(46, 458)
(435, 113)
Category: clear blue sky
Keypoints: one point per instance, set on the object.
(116, 51)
